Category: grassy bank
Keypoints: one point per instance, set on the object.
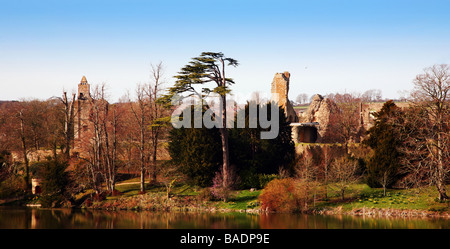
(183, 197)
(363, 200)
(360, 200)
(364, 196)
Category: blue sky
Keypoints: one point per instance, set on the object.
(327, 46)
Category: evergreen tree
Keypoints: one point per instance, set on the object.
(55, 182)
(197, 152)
(383, 166)
(255, 157)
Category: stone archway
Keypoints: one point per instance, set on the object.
(37, 190)
(36, 186)
(304, 132)
(308, 134)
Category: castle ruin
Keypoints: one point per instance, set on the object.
(280, 91)
(314, 125)
(83, 122)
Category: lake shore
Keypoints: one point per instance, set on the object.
(152, 202)
(386, 212)
(190, 205)
(361, 201)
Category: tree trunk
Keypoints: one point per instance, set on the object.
(440, 182)
(68, 123)
(153, 174)
(442, 193)
(25, 152)
(142, 179)
(142, 151)
(142, 165)
(114, 153)
(225, 152)
(440, 174)
(155, 130)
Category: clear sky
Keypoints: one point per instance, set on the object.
(327, 46)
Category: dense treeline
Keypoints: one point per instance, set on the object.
(406, 147)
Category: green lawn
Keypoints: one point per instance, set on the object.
(132, 187)
(242, 199)
(361, 195)
(301, 107)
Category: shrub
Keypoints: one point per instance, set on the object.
(286, 195)
(217, 190)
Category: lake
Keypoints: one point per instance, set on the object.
(36, 218)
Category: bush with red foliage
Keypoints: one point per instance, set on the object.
(286, 195)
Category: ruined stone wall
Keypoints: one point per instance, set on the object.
(367, 110)
(32, 156)
(280, 91)
(320, 110)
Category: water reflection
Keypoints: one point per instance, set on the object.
(289, 221)
(30, 218)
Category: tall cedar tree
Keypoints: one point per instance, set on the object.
(383, 167)
(209, 67)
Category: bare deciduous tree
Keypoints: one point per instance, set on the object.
(345, 124)
(141, 109)
(157, 114)
(343, 173)
(308, 184)
(372, 95)
(69, 118)
(426, 128)
(96, 140)
(302, 98)
(22, 132)
(148, 115)
(258, 97)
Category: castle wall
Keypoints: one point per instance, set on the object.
(280, 91)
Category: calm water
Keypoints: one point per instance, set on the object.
(31, 218)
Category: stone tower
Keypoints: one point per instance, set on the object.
(280, 90)
(83, 89)
(82, 119)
